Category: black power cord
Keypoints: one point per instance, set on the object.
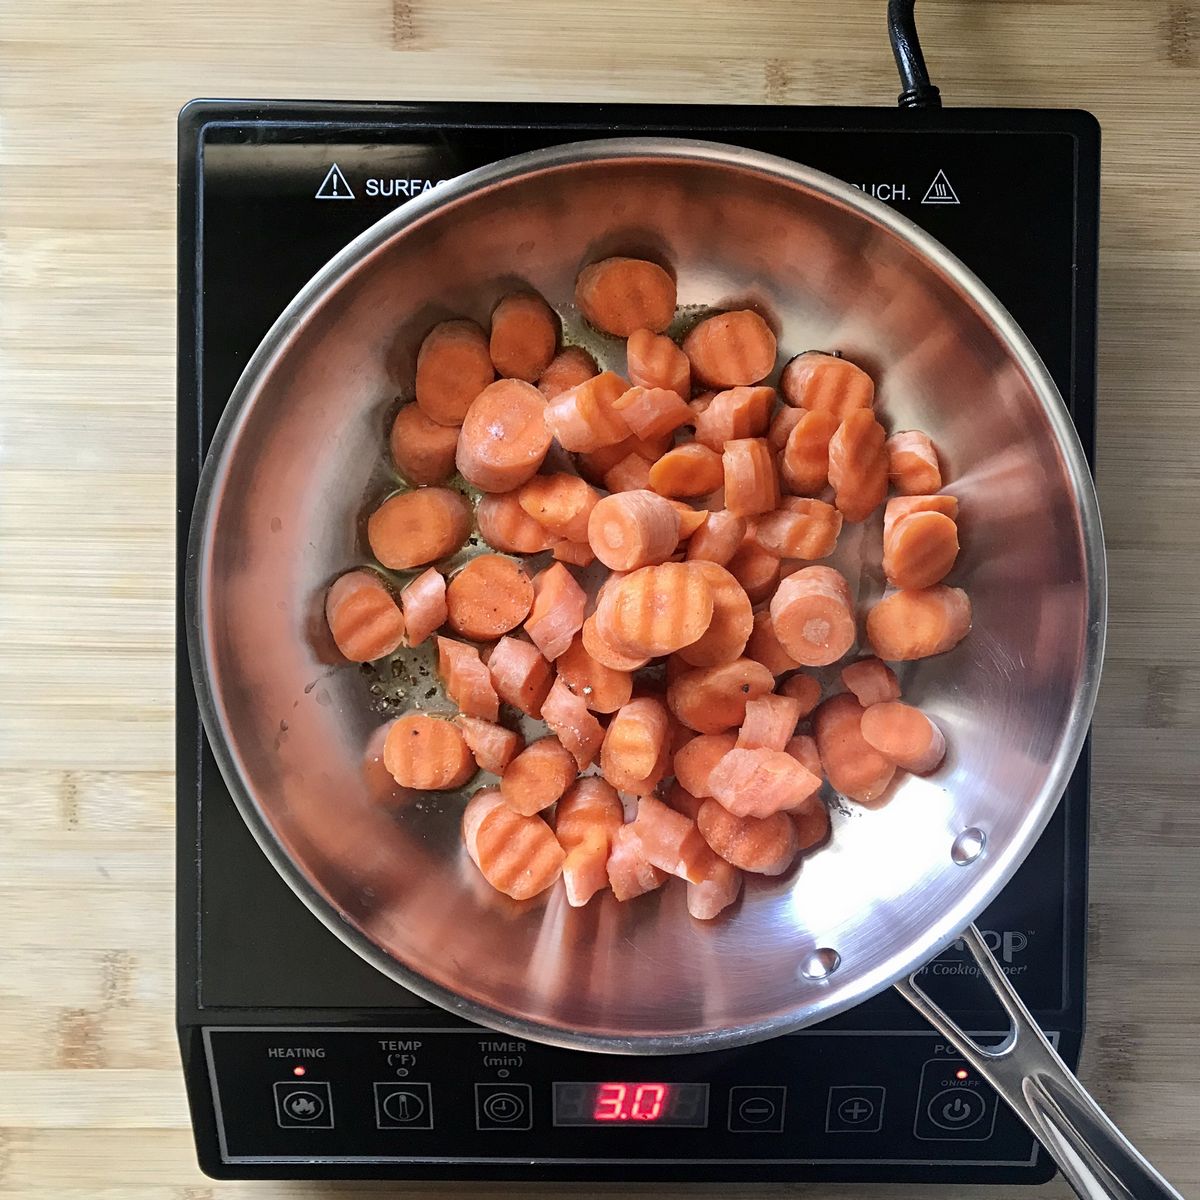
(918, 92)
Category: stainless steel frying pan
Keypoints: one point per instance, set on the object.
(297, 458)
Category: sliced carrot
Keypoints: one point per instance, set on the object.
(683, 801)
(909, 625)
(755, 569)
(713, 699)
(731, 349)
(694, 762)
(605, 653)
(804, 688)
(871, 681)
(453, 367)
(732, 620)
(671, 841)
(920, 550)
(490, 596)
(411, 529)
(751, 485)
(569, 368)
(578, 554)
(522, 677)
(560, 502)
(566, 714)
(583, 417)
(764, 845)
(424, 602)
(634, 744)
(585, 823)
(719, 540)
(899, 507)
(422, 450)
(506, 526)
(467, 680)
(720, 888)
(631, 474)
(853, 766)
(622, 295)
(427, 753)
(782, 424)
(363, 617)
(701, 400)
(904, 735)
(504, 436)
(800, 528)
(770, 722)
(757, 783)
(825, 381)
(557, 613)
(602, 689)
(690, 519)
(687, 470)
(630, 872)
(654, 361)
(524, 336)
(812, 826)
(536, 778)
(813, 616)
(913, 467)
(803, 748)
(740, 412)
(595, 464)
(764, 647)
(633, 529)
(652, 412)
(656, 610)
(858, 465)
(804, 462)
(492, 746)
(519, 856)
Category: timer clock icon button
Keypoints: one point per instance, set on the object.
(503, 1106)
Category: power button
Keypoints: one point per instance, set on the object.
(953, 1104)
(956, 1109)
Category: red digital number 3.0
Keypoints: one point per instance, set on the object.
(610, 1101)
(614, 1103)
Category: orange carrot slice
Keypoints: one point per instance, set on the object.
(804, 688)
(695, 760)
(804, 462)
(602, 689)
(411, 529)
(732, 620)
(740, 412)
(567, 369)
(910, 625)
(853, 766)
(567, 715)
(634, 744)
(427, 754)
(920, 550)
(585, 822)
(800, 528)
(764, 647)
(490, 596)
(654, 361)
(782, 424)
(422, 450)
(683, 801)
(719, 540)
(871, 681)
(687, 470)
(633, 529)
(758, 783)
(453, 367)
(492, 746)
(913, 467)
(630, 872)
(521, 676)
(899, 507)
(519, 856)
(803, 748)
(583, 417)
(467, 680)
(858, 465)
(720, 888)
(731, 349)
(713, 699)
(631, 474)
(690, 519)
(813, 616)
(751, 485)
(652, 412)
(560, 502)
(364, 619)
(826, 382)
(424, 602)
(905, 735)
(504, 436)
(578, 554)
(770, 722)
(656, 610)
(557, 613)
(812, 827)
(622, 295)
(595, 464)
(506, 526)
(537, 776)
(671, 841)
(605, 653)
(763, 845)
(755, 569)
(524, 336)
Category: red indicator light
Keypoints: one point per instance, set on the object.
(299, 1070)
(960, 1074)
(630, 1101)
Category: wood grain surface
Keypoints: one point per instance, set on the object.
(91, 1101)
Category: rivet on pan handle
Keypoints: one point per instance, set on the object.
(1096, 1159)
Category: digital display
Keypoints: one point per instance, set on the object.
(631, 1105)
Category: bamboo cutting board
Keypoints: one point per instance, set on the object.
(91, 1100)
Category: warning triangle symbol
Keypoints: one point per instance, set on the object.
(940, 191)
(334, 186)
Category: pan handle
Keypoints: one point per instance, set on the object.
(1096, 1159)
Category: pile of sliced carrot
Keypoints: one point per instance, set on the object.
(698, 687)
